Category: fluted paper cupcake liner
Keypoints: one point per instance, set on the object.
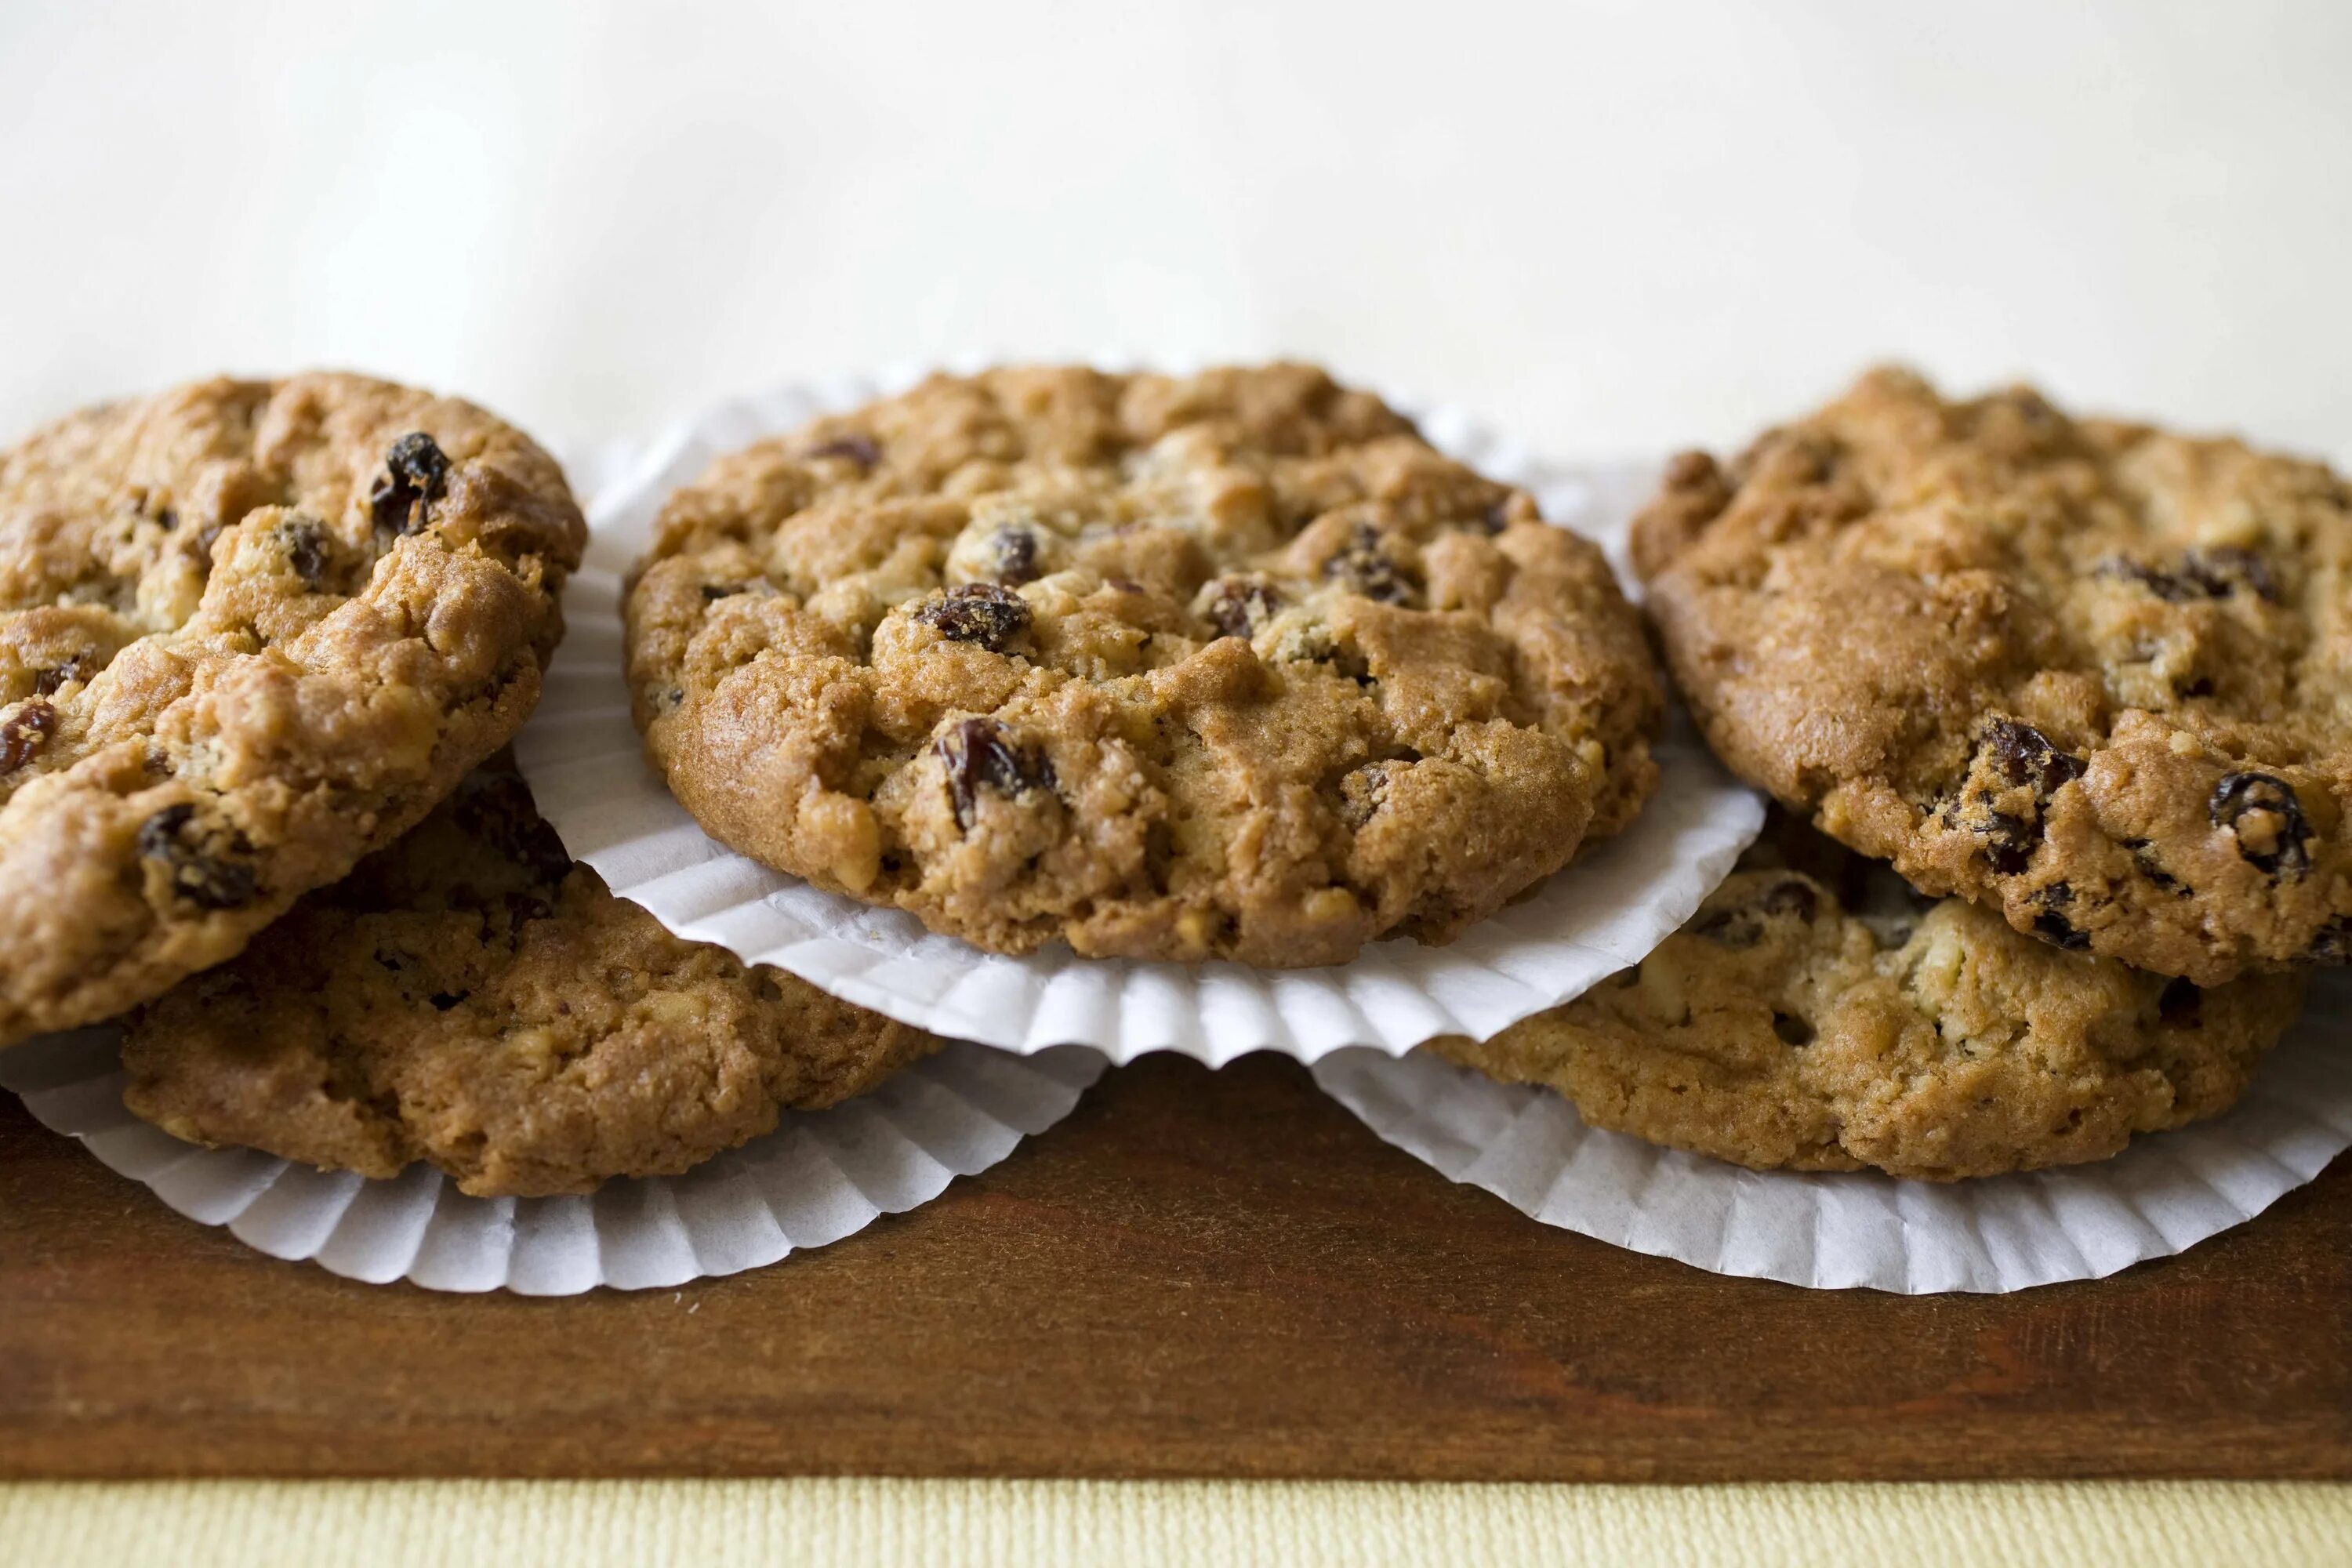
(2165, 1192)
(819, 1176)
(586, 767)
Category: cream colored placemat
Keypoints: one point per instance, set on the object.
(1040, 1525)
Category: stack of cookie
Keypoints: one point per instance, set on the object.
(1229, 666)
(260, 646)
(2055, 711)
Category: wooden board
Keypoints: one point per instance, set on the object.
(1198, 1274)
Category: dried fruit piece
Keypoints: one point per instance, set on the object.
(306, 550)
(980, 613)
(2054, 928)
(2333, 942)
(1362, 793)
(2023, 754)
(523, 908)
(2144, 859)
(2227, 567)
(497, 809)
(859, 449)
(418, 473)
(1362, 566)
(202, 865)
(1742, 925)
(2018, 756)
(977, 755)
(1239, 606)
(2182, 1005)
(1793, 897)
(2260, 811)
(1013, 555)
(2213, 573)
(25, 733)
(46, 682)
(1729, 927)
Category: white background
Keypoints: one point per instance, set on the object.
(1611, 229)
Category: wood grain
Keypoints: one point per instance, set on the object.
(1198, 1274)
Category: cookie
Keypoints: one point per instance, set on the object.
(248, 632)
(1815, 1014)
(2093, 675)
(471, 998)
(1233, 665)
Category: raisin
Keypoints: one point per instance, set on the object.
(417, 474)
(204, 876)
(496, 809)
(2144, 860)
(522, 909)
(859, 449)
(1791, 897)
(2333, 942)
(2054, 928)
(979, 613)
(2009, 842)
(25, 732)
(975, 754)
(2181, 1005)
(2019, 756)
(2023, 754)
(45, 682)
(1496, 518)
(417, 458)
(1729, 927)
(2057, 931)
(1363, 566)
(2166, 585)
(1362, 793)
(2228, 567)
(140, 498)
(1013, 555)
(1792, 1030)
(1239, 606)
(2213, 573)
(306, 550)
(2258, 809)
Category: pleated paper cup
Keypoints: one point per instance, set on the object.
(587, 768)
(2165, 1192)
(819, 1176)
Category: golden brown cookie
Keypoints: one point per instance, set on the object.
(1818, 1015)
(2093, 675)
(472, 998)
(248, 632)
(1233, 665)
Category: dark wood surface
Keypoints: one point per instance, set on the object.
(1198, 1274)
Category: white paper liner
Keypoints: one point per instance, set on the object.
(819, 1176)
(587, 769)
(2163, 1194)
